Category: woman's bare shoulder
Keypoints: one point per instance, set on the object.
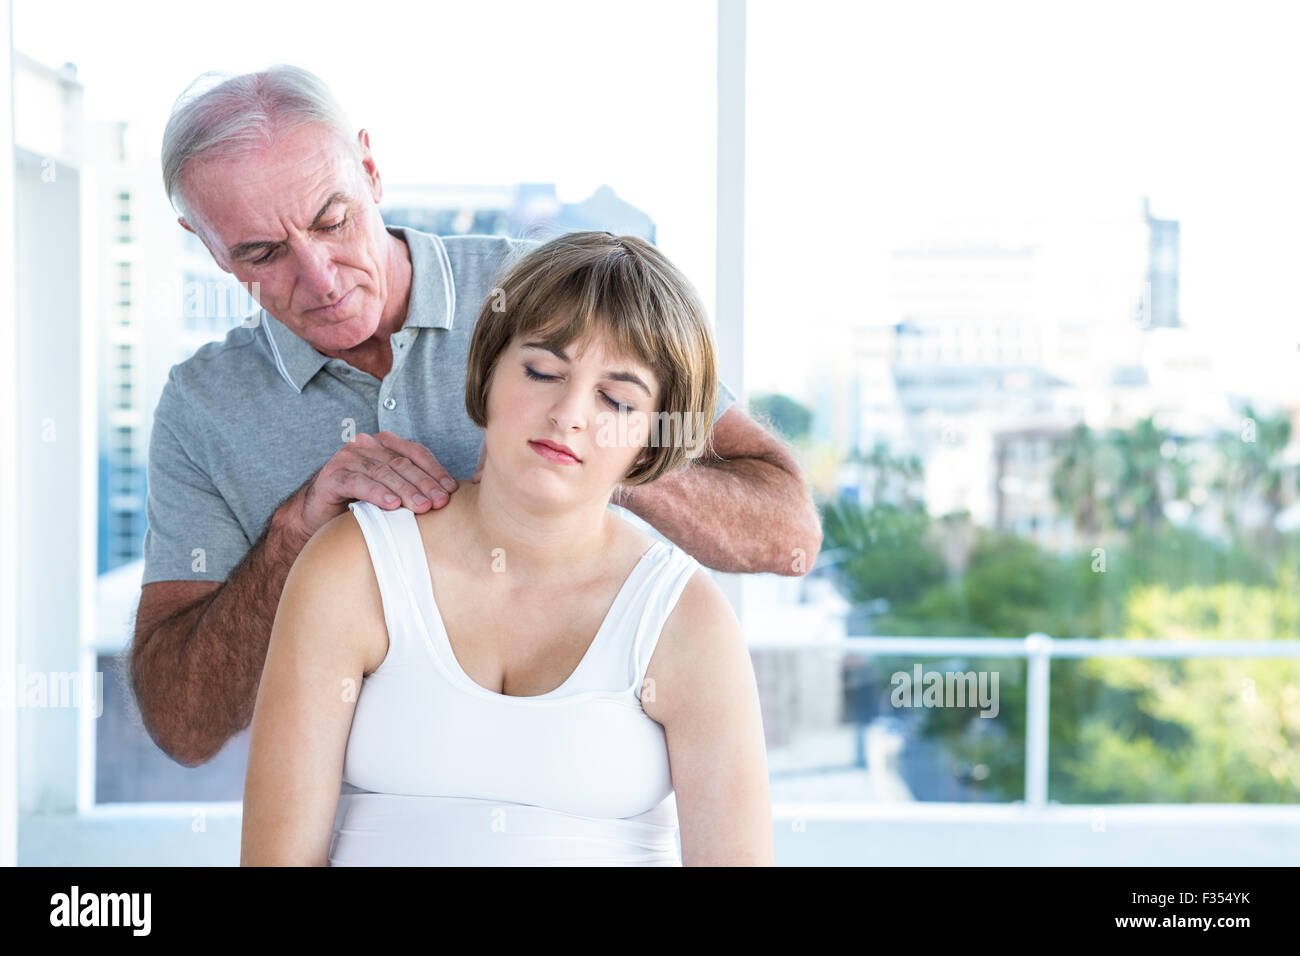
(630, 537)
(334, 569)
(701, 644)
(441, 528)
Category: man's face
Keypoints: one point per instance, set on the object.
(299, 219)
(583, 401)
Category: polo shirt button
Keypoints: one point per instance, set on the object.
(390, 403)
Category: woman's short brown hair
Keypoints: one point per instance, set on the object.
(583, 283)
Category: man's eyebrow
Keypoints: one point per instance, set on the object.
(245, 248)
(618, 375)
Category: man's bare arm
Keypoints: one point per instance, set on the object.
(195, 672)
(746, 510)
(199, 647)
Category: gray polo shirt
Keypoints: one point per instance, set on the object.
(243, 422)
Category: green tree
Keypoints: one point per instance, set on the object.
(880, 551)
(1150, 474)
(1254, 466)
(1121, 480)
(887, 470)
(1126, 729)
(1079, 483)
(787, 416)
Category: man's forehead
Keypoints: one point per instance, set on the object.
(247, 246)
(250, 196)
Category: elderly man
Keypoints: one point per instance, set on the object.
(349, 385)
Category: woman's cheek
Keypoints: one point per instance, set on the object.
(638, 430)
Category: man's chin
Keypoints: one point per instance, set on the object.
(339, 334)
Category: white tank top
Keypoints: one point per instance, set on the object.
(442, 771)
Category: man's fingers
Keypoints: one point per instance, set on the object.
(380, 483)
(407, 479)
(402, 477)
(361, 488)
(420, 455)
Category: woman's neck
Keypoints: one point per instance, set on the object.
(537, 545)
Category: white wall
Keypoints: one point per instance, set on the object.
(51, 539)
(8, 461)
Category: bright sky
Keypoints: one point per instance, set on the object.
(869, 122)
(576, 93)
(870, 125)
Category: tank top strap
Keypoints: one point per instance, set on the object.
(644, 616)
(389, 540)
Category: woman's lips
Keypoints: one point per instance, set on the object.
(550, 454)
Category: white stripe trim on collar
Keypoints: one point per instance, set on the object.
(444, 262)
(279, 362)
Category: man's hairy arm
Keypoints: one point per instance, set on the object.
(195, 672)
(746, 509)
(200, 647)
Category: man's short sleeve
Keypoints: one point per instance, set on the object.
(726, 398)
(192, 534)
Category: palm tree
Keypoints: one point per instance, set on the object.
(1144, 471)
(1075, 480)
(1254, 465)
(885, 467)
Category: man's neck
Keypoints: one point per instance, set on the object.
(398, 298)
(375, 354)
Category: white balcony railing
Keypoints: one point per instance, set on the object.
(1038, 651)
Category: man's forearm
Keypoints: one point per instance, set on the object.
(743, 515)
(198, 673)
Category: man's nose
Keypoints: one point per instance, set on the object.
(317, 274)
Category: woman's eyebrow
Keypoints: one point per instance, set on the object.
(618, 375)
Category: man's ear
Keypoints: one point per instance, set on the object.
(368, 166)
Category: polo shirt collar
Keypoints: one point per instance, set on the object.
(295, 358)
(432, 305)
(433, 288)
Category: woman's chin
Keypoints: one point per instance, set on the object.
(547, 485)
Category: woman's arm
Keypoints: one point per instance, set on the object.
(328, 629)
(706, 698)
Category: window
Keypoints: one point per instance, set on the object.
(124, 284)
(557, 184)
(938, 210)
(124, 217)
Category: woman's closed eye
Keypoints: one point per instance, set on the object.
(538, 376)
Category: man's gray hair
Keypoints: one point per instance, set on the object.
(241, 113)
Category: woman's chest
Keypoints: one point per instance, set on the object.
(521, 644)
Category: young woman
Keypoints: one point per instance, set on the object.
(522, 677)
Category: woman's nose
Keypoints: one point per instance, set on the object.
(567, 412)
